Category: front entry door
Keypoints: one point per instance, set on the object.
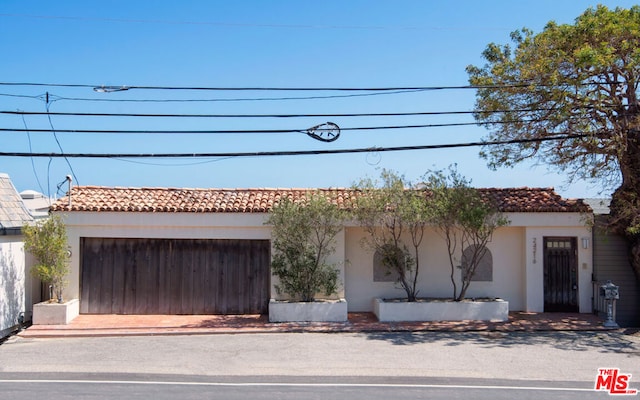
(560, 274)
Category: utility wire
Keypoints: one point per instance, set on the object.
(295, 153)
(55, 136)
(241, 99)
(144, 115)
(103, 88)
(24, 96)
(33, 165)
(242, 131)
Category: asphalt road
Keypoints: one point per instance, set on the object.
(295, 365)
(172, 387)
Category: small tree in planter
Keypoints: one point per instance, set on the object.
(303, 237)
(387, 212)
(47, 241)
(464, 219)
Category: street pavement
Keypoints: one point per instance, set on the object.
(526, 356)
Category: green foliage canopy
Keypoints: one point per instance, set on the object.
(579, 78)
(571, 79)
(303, 237)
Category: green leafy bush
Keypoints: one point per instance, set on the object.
(47, 242)
(303, 237)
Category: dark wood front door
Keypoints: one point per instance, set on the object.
(174, 276)
(560, 274)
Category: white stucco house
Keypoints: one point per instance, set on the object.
(200, 251)
(15, 281)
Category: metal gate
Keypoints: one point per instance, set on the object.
(560, 274)
(174, 276)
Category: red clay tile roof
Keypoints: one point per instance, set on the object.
(532, 200)
(94, 198)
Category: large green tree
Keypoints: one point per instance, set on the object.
(567, 97)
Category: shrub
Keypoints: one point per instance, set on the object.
(47, 241)
(303, 237)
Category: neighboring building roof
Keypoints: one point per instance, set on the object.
(95, 198)
(599, 206)
(37, 203)
(13, 213)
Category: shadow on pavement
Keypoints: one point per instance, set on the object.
(606, 342)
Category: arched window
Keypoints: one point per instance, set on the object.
(381, 272)
(484, 270)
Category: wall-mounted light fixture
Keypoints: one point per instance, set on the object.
(585, 242)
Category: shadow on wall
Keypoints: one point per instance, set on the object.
(12, 291)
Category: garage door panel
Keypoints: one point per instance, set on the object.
(118, 265)
(210, 280)
(164, 279)
(199, 274)
(175, 294)
(146, 285)
(220, 296)
(129, 264)
(89, 253)
(174, 276)
(105, 279)
(233, 281)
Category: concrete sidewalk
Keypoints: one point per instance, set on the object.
(140, 325)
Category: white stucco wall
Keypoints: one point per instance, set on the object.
(516, 249)
(13, 282)
(434, 278)
(174, 226)
(517, 264)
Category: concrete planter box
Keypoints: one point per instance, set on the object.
(317, 311)
(55, 313)
(441, 310)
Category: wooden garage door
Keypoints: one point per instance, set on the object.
(174, 276)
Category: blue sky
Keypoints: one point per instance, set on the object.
(330, 43)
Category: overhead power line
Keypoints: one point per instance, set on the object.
(291, 153)
(55, 136)
(114, 88)
(240, 99)
(243, 131)
(53, 98)
(144, 115)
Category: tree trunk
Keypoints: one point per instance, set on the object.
(634, 255)
(463, 290)
(621, 220)
(625, 202)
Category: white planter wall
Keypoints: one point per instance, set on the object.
(318, 311)
(441, 310)
(55, 313)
